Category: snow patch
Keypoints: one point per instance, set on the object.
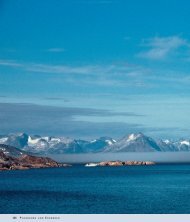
(132, 137)
(46, 138)
(55, 140)
(109, 142)
(3, 140)
(185, 143)
(33, 141)
(166, 141)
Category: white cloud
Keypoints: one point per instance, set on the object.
(103, 75)
(10, 63)
(60, 69)
(160, 47)
(98, 70)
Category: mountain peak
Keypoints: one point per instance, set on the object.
(135, 142)
(134, 136)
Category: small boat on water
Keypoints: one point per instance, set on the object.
(91, 164)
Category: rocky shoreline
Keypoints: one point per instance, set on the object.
(120, 163)
(27, 162)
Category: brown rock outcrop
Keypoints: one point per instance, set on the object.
(124, 163)
(37, 162)
(26, 162)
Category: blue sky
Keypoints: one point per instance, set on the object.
(88, 68)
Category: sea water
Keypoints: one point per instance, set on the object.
(113, 190)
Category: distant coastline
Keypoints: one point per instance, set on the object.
(12, 158)
(120, 163)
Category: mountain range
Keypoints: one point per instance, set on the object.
(59, 145)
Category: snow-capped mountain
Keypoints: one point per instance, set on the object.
(141, 143)
(18, 140)
(183, 145)
(98, 144)
(55, 145)
(167, 145)
(60, 145)
(134, 143)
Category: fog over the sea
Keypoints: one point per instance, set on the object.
(160, 157)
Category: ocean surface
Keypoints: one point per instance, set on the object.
(78, 189)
